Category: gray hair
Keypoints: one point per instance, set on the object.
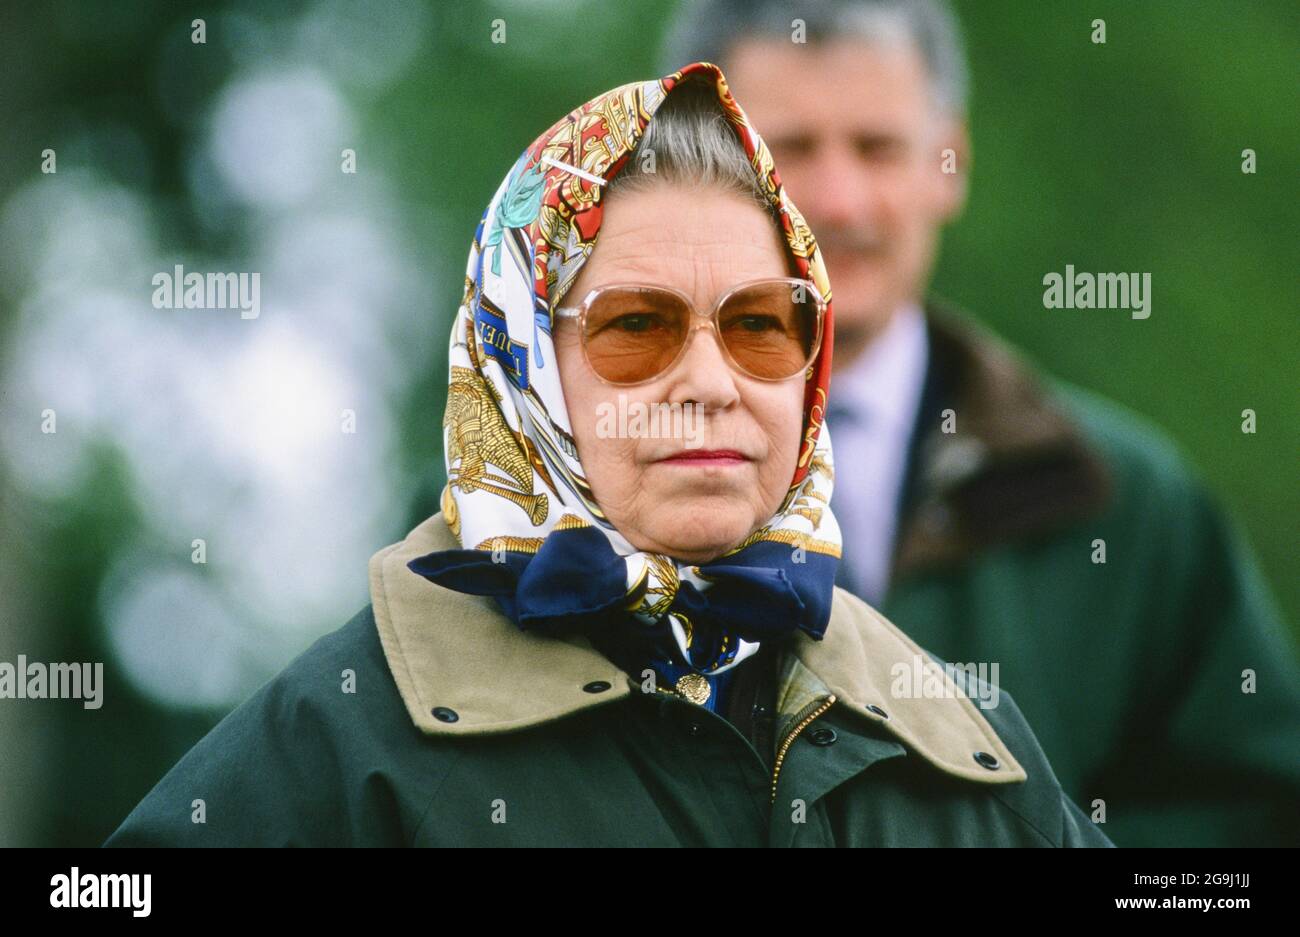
(689, 141)
(707, 29)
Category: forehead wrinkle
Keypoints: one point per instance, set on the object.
(663, 256)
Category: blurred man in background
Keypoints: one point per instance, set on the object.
(998, 516)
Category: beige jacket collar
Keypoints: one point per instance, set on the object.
(457, 652)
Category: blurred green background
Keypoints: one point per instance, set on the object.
(177, 425)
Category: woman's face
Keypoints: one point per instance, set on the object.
(695, 494)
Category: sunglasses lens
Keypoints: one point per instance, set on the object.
(771, 329)
(633, 334)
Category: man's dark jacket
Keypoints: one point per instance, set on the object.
(1161, 682)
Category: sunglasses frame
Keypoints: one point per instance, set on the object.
(579, 312)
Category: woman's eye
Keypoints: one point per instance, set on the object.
(757, 323)
(636, 322)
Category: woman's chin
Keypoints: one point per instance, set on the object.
(701, 532)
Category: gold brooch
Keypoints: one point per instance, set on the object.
(694, 688)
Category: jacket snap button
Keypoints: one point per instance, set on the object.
(877, 710)
(596, 686)
(443, 714)
(822, 735)
(986, 760)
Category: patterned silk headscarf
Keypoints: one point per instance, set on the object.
(517, 497)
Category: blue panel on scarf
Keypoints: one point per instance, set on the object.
(495, 341)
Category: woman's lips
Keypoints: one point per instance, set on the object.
(721, 457)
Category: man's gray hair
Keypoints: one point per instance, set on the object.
(689, 141)
(706, 30)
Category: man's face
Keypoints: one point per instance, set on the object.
(860, 147)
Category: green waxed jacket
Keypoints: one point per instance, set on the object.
(1161, 683)
(464, 731)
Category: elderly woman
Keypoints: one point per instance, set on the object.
(611, 635)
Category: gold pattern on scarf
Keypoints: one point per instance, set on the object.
(816, 415)
(801, 505)
(688, 629)
(450, 513)
(821, 464)
(663, 575)
(814, 515)
(791, 538)
(480, 437)
(508, 544)
(528, 544)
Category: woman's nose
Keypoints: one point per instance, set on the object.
(704, 374)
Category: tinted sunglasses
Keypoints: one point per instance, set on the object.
(769, 329)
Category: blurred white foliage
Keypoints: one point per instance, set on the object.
(231, 428)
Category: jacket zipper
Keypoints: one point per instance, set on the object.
(800, 724)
